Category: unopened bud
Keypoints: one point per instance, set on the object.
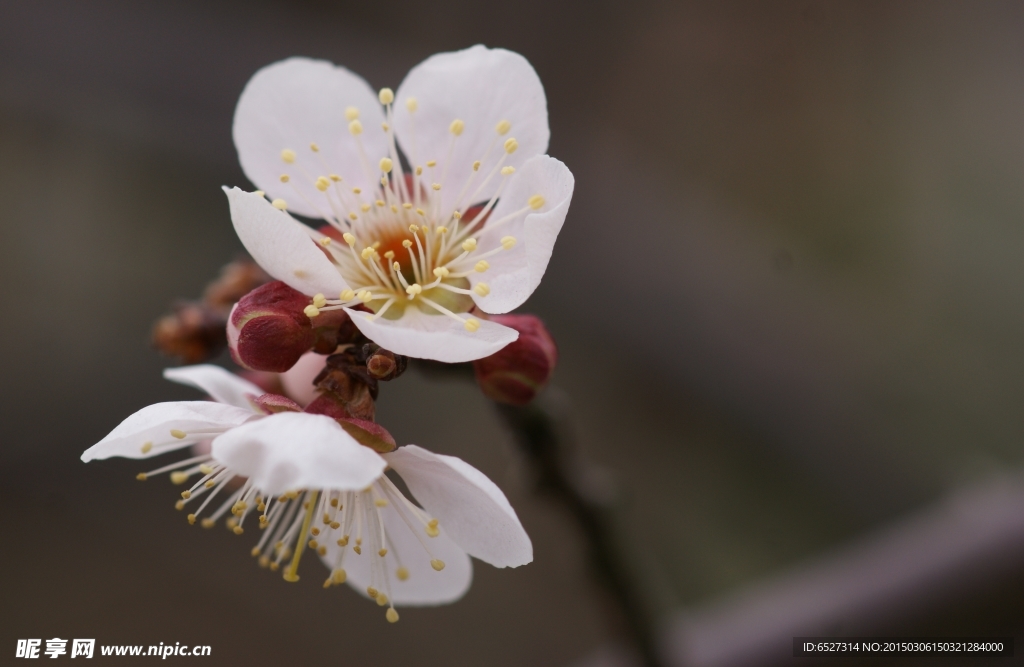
(516, 373)
(385, 365)
(268, 330)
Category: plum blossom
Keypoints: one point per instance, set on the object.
(311, 485)
(438, 199)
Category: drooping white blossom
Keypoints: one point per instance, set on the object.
(311, 485)
(466, 223)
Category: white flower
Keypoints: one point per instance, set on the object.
(473, 225)
(310, 484)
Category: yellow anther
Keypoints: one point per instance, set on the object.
(414, 228)
(205, 469)
(456, 215)
(421, 211)
(386, 96)
(288, 155)
(396, 266)
(365, 296)
(209, 484)
(325, 241)
(391, 615)
(349, 237)
(353, 216)
(511, 145)
(343, 542)
(535, 202)
(380, 502)
(411, 104)
(469, 245)
(179, 505)
(339, 576)
(179, 477)
(508, 242)
(380, 202)
(264, 561)
(335, 178)
(322, 183)
(437, 564)
(435, 186)
(141, 477)
(376, 245)
(381, 599)
(191, 519)
(508, 171)
(285, 178)
(351, 113)
(503, 127)
(327, 582)
(414, 289)
(237, 530)
(372, 592)
(382, 553)
(175, 433)
(335, 525)
(384, 126)
(482, 289)
(476, 165)
(347, 295)
(471, 324)
(433, 523)
(432, 531)
(367, 252)
(274, 567)
(334, 502)
(146, 447)
(259, 193)
(394, 209)
(207, 523)
(357, 191)
(407, 206)
(385, 164)
(279, 204)
(319, 300)
(441, 272)
(365, 208)
(390, 254)
(457, 126)
(407, 243)
(315, 531)
(186, 494)
(402, 573)
(314, 148)
(442, 229)
(431, 163)
(311, 311)
(355, 128)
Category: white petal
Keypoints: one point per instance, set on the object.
(470, 507)
(436, 337)
(481, 87)
(282, 246)
(293, 450)
(298, 380)
(425, 586)
(221, 385)
(297, 102)
(516, 273)
(153, 424)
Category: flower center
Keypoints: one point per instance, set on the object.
(397, 247)
(313, 518)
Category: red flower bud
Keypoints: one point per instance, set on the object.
(517, 372)
(268, 329)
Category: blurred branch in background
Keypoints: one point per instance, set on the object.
(562, 474)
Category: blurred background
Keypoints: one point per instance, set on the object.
(804, 378)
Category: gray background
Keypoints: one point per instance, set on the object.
(787, 298)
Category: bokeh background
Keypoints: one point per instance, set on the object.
(788, 298)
